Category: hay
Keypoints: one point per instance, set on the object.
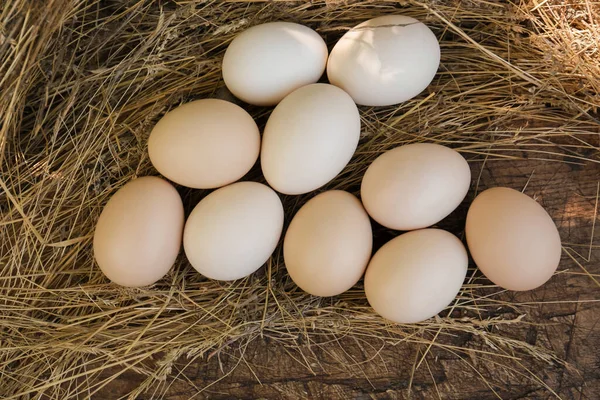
(81, 85)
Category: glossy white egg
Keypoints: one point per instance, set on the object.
(385, 60)
(309, 138)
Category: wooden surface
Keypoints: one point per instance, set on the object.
(567, 323)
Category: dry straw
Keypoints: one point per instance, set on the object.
(81, 85)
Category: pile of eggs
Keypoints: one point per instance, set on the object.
(309, 138)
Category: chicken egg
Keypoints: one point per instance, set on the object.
(328, 244)
(416, 275)
(309, 138)
(267, 62)
(204, 144)
(233, 231)
(415, 186)
(138, 234)
(385, 60)
(512, 239)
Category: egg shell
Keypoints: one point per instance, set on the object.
(328, 244)
(416, 275)
(385, 60)
(265, 63)
(204, 144)
(309, 138)
(233, 231)
(512, 239)
(138, 234)
(415, 186)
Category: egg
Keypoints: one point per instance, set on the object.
(328, 244)
(415, 186)
(309, 138)
(416, 275)
(138, 235)
(512, 239)
(385, 60)
(233, 231)
(204, 144)
(266, 62)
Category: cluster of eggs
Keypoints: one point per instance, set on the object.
(309, 138)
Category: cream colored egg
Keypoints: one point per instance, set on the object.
(512, 239)
(328, 244)
(415, 186)
(204, 144)
(385, 60)
(309, 138)
(416, 275)
(267, 62)
(138, 234)
(233, 231)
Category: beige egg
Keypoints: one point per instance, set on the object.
(233, 231)
(416, 275)
(415, 186)
(204, 144)
(328, 244)
(512, 239)
(138, 234)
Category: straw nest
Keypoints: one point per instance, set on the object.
(81, 85)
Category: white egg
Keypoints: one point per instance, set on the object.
(266, 62)
(309, 138)
(385, 60)
(233, 231)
